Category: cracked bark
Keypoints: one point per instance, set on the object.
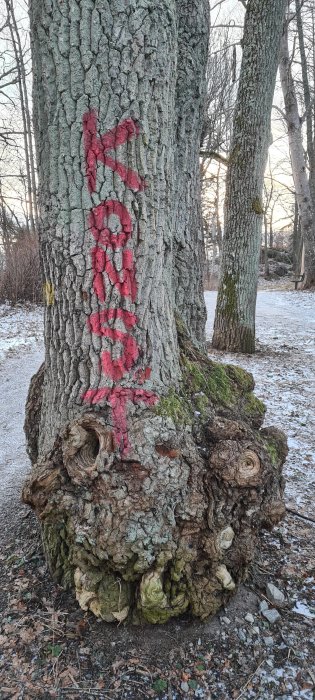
(234, 326)
(164, 520)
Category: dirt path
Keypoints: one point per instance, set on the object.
(51, 649)
(16, 373)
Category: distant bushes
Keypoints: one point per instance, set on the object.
(20, 276)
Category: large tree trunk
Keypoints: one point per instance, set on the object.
(234, 326)
(149, 492)
(299, 170)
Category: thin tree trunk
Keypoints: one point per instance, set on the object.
(234, 326)
(23, 112)
(299, 171)
(266, 264)
(28, 119)
(297, 242)
(149, 467)
(309, 106)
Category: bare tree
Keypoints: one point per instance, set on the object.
(234, 327)
(298, 161)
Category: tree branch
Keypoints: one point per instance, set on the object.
(215, 156)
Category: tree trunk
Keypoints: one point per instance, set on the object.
(297, 241)
(149, 492)
(309, 105)
(266, 263)
(193, 18)
(24, 110)
(299, 172)
(234, 326)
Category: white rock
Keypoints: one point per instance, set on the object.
(271, 615)
(249, 618)
(225, 538)
(226, 620)
(268, 641)
(224, 576)
(274, 594)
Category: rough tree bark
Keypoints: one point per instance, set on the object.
(234, 326)
(151, 476)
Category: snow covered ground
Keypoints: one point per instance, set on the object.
(21, 353)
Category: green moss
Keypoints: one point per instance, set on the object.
(159, 602)
(242, 378)
(209, 378)
(201, 402)
(257, 206)
(113, 596)
(253, 406)
(220, 387)
(153, 600)
(271, 448)
(176, 407)
(229, 293)
(55, 542)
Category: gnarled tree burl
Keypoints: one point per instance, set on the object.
(151, 473)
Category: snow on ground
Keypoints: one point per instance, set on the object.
(284, 372)
(21, 328)
(21, 353)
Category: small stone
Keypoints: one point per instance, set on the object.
(256, 630)
(249, 618)
(271, 615)
(263, 606)
(274, 594)
(242, 635)
(226, 620)
(268, 641)
(185, 687)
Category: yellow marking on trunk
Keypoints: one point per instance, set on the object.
(49, 293)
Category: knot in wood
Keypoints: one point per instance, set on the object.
(248, 469)
(87, 444)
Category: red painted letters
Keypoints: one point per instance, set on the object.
(105, 274)
(97, 148)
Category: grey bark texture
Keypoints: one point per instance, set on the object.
(234, 327)
(302, 183)
(149, 491)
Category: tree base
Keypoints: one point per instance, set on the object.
(172, 527)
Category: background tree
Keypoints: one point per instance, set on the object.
(302, 180)
(147, 456)
(234, 326)
(19, 271)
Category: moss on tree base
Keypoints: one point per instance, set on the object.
(172, 528)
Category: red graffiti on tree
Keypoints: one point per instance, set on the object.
(105, 273)
(118, 399)
(125, 281)
(97, 149)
